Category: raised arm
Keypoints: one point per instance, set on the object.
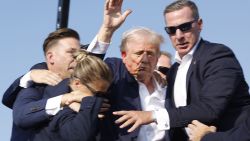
(112, 19)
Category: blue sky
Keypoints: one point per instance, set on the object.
(25, 24)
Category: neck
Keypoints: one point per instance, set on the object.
(149, 84)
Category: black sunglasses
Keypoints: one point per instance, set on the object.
(162, 69)
(171, 30)
(84, 46)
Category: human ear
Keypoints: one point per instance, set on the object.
(50, 57)
(200, 24)
(77, 83)
(124, 55)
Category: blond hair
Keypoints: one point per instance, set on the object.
(90, 68)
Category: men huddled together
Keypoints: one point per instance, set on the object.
(78, 95)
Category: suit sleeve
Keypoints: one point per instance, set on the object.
(97, 48)
(11, 93)
(220, 77)
(78, 126)
(29, 108)
(239, 133)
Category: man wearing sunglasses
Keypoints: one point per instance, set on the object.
(162, 67)
(206, 83)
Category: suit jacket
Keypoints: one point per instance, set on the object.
(240, 132)
(68, 125)
(216, 90)
(10, 94)
(29, 107)
(29, 112)
(27, 103)
(123, 95)
(24, 118)
(21, 132)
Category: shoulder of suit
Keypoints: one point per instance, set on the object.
(215, 46)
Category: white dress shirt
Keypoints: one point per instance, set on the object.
(180, 89)
(180, 84)
(152, 102)
(53, 104)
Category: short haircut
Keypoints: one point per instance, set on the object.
(133, 34)
(53, 37)
(179, 4)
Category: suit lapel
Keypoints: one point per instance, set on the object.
(189, 73)
(136, 100)
(134, 86)
(170, 89)
(193, 65)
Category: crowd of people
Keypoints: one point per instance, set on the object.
(77, 95)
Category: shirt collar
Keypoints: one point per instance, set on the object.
(158, 89)
(155, 83)
(160, 94)
(190, 53)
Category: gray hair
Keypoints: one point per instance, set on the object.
(167, 54)
(152, 37)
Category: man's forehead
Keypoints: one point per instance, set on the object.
(144, 50)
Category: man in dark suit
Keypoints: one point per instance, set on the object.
(77, 124)
(162, 67)
(57, 47)
(134, 87)
(202, 132)
(67, 124)
(206, 82)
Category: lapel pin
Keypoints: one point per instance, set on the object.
(194, 62)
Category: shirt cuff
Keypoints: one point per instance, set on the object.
(26, 81)
(162, 119)
(98, 47)
(53, 105)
